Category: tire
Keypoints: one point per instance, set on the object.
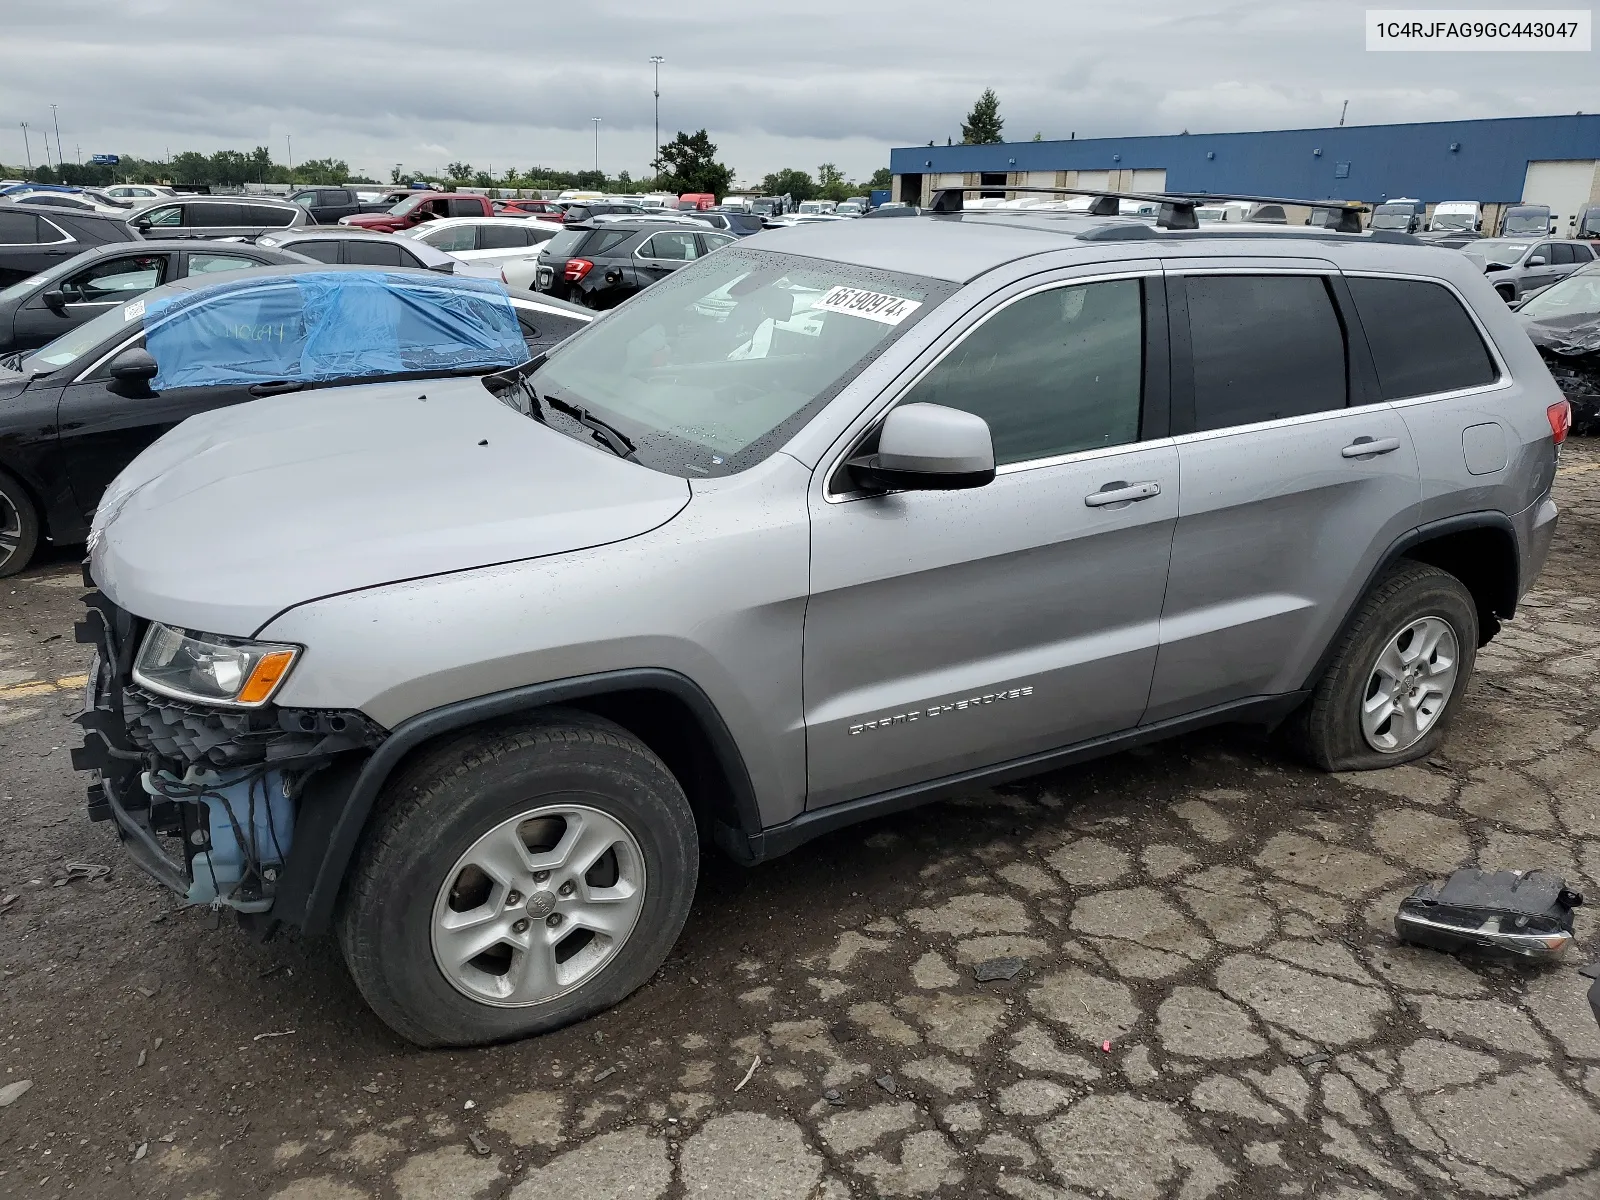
(1507, 294)
(19, 526)
(1333, 730)
(416, 878)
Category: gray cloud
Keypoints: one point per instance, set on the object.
(776, 85)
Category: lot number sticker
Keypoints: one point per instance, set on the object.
(874, 306)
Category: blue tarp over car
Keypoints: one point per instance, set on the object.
(320, 326)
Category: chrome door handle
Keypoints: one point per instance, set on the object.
(1122, 493)
(1367, 447)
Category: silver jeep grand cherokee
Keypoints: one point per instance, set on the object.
(833, 522)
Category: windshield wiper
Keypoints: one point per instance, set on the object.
(609, 436)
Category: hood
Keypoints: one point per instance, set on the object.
(241, 513)
(12, 383)
(372, 221)
(1574, 334)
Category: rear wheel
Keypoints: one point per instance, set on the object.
(1397, 675)
(518, 879)
(19, 526)
(1507, 292)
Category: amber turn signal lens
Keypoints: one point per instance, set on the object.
(272, 668)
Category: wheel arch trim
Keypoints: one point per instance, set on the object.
(356, 806)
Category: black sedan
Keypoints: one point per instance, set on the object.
(42, 307)
(601, 263)
(35, 239)
(74, 413)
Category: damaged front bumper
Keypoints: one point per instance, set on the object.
(222, 788)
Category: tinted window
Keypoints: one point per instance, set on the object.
(171, 214)
(602, 240)
(1562, 254)
(466, 208)
(1054, 373)
(376, 254)
(1264, 347)
(564, 244)
(18, 229)
(213, 216)
(1422, 340)
(327, 252)
(266, 214)
(713, 240)
(1582, 253)
(501, 237)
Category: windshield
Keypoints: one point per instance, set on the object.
(75, 343)
(1503, 254)
(1452, 220)
(713, 368)
(1576, 295)
(1536, 223)
(406, 205)
(1392, 216)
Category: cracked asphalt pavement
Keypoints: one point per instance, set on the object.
(1209, 1003)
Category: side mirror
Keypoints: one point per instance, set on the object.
(134, 366)
(928, 447)
(1536, 261)
(141, 223)
(55, 300)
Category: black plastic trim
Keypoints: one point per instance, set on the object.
(1155, 415)
(328, 874)
(780, 839)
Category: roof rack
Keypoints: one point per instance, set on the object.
(1176, 211)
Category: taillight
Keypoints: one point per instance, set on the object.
(503, 278)
(1560, 420)
(577, 268)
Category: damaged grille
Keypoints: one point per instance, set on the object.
(199, 734)
(123, 738)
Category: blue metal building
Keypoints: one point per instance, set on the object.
(1488, 161)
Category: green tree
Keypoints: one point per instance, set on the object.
(983, 124)
(831, 183)
(789, 182)
(881, 178)
(322, 170)
(482, 179)
(458, 171)
(690, 165)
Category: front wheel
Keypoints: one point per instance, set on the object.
(1397, 675)
(517, 880)
(19, 526)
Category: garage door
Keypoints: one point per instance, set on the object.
(1564, 186)
(1150, 181)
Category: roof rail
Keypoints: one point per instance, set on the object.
(1176, 211)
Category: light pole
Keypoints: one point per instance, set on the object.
(56, 120)
(28, 144)
(289, 140)
(596, 121)
(655, 153)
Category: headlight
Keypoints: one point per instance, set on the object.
(210, 668)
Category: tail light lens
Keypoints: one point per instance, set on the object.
(577, 268)
(1560, 420)
(503, 278)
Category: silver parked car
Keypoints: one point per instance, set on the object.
(1516, 266)
(830, 523)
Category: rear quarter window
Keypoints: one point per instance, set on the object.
(1422, 339)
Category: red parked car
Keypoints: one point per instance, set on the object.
(544, 210)
(424, 206)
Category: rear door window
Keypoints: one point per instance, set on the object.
(1264, 347)
(19, 229)
(1422, 340)
(327, 252)
(671, 247)
(373, 253)
(215, 216)
(501, 237)
(466, 207)
(217, 264)
(452, 238)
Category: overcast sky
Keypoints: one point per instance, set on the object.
(777, 84)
